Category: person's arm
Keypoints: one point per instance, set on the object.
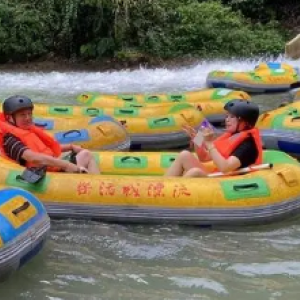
(223, 164)
(70, 147)
(66, 148)
(243, 156)
(42, 159)
(202, 153)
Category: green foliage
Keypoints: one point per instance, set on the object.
(256, 10)
(23, 32)
(210, 29)
(131, 29)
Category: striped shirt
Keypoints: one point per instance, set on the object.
(14, 148)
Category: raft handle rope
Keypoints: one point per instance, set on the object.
(72, 131)
(40, 124)
(176, 98)
(136, 105)
(167, 120)
(249, 186)
(126, 111)
(153, 98)
(92, 111)
(23, 207)
(130, 158)
(128, 98)
(61, 109)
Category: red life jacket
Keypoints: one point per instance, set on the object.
(34, 138)
(227, 143)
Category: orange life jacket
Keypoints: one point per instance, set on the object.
(227, 143)
(34, 138)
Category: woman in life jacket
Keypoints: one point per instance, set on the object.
(239, 147)
(29, 145)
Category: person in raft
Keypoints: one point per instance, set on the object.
(31, 146)
(239, 147)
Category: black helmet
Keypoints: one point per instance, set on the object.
(15, 103)
(246, 110)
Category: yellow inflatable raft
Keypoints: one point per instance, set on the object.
(106, 134)
(271, 77)
(213, 111)
(280, 129)
(257, 197)
(162, 132)
(102, 100)
(283, 117)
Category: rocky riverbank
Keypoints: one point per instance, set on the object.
(63, 65)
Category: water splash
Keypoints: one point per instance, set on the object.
(47, 87)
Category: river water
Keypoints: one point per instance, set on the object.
(85, 260)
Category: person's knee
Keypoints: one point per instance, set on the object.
(85, 155)
(185, 154)
(195, 172)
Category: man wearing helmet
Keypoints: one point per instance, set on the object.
(31, 146)
(239, 147)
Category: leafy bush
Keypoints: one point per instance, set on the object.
(24, 32)
(210, 29)
(92, 29)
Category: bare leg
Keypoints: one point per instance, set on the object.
(86, 159)
(183, 162)
(195, 172)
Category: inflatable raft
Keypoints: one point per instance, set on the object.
(24, 225)
(213, 111)
(271, 77)
(119, 100)
(280, 129)
(294, 94)
(258, 197)
(162, 132)
(77, 115)
(104, 134)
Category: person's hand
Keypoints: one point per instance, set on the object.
(190, 131)
(71, 168)
(82, 170)
(76, 148)
(208, 134)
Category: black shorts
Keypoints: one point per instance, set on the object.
(71, 157)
